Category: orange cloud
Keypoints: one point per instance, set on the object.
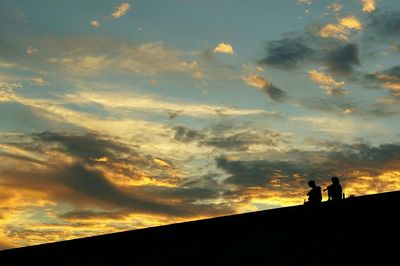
(394, 86)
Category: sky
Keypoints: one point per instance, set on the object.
(120, 115)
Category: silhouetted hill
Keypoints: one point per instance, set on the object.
(357, 231)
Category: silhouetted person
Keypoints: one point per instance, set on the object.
(334, 190)
(314, 195)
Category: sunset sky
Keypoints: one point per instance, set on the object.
(122, 115)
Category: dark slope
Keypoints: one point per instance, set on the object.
(360, 231)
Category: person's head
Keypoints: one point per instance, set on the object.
(311, 183)
(335, 180)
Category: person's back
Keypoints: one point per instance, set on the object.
(314, 195)
(335, 189)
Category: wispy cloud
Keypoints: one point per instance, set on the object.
(146, 59)
(121, 10)
(7, 89)
(152, 104)
(304, 2)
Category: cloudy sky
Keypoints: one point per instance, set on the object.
(122, 115)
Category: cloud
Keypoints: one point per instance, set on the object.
(87, 147)
(147, 59)
(259, 82)
(335, 7)
(7, 89)
(93, 171)
(304, 2)
(95, 24)
(150, 103)
(341, 29)
(332, 104)
(389, 79)
(224, 48)
(121, 10)
(85, 215)
(342, 60)
(230, 138)
(38, 81)
(351, 22)
(381, 107)
(184, 134)
(383, 26)
(326, 82)
(307, 46)
(363, 169)
(287, 53)
(334, 31)
(368, 5)
(31, 51)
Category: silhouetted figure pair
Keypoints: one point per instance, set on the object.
(315, 195)
(334, 190)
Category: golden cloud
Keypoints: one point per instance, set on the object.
(351, 22)
(333, 31)
(121, 10)
(326, 82)
(224, 48)
(341, 30)
(368, 5)
(256, 81)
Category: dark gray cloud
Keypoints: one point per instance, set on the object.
(343, 59)
(84, 182)
(383, 26)
(294, 52)
(81, 214)
(184, 134)
(387, 79)
(387, 75)
(393, 72)
(226, 137)
(83, 186)
(276, 94)
(287, 53)
(88, 146)
(340, 159)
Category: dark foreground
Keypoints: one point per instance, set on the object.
(356, 231)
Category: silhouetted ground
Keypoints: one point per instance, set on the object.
(356, 231)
